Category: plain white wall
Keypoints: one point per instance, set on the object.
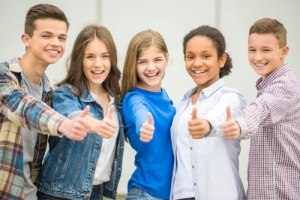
(173, 19)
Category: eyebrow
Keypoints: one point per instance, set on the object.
(48, 32)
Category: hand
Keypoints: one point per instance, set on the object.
(76, 128)
(147, 129)
(106, 128)
(230, 127)
(198, 128)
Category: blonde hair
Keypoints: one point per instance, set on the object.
(138, 43)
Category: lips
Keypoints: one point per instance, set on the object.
(97, 71)
(260, 64)
(199, 71)
(52, 51)
(151, 75)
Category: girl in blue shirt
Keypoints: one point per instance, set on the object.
(148, 114)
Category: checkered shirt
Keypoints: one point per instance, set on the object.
(18, 109)
(272, 121)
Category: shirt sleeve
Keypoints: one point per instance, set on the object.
(217, 115)
(23, 109)
(135, 111)
(268, 108)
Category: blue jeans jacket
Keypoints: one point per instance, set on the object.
(69, 167)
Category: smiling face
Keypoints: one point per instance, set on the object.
(48, 41)
(96, 64)
(202, 62)
(264, 53)
(151, 69)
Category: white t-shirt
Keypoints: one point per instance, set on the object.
(106, 158)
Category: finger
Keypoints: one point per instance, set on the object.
(194, 113)
(150, 118)
(110, 112)
(228, 113)
(84, 112)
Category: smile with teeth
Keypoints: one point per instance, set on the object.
(97, 72)
(52, 51)
(151, 75)
(199, 71)
(260, 64)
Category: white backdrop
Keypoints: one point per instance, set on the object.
(173, 19)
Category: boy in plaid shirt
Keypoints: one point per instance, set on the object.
(272, 120)
(25, 97)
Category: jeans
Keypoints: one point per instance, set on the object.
(139, 194)
(97, 194)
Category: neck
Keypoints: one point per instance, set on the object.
(33, 68)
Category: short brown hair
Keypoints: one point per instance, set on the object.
(42, 11)
(268, 25)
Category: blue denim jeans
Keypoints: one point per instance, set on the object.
(139, 194)
(97, 194)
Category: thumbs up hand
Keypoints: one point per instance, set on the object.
(230, 127)
(147, 129)
(76, 128)
(198, 128)
(107, 127)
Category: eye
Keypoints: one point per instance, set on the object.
(206, 56)
(266, 50)
(62, 39)
(141, 62)
(46, 36)
(189, 57)
(89, 56)
(251, 50)
(158, 60)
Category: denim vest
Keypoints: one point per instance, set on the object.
(69, 167)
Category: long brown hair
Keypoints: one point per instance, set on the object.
(138, 43)
(75, 75)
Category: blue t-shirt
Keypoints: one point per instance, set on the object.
(154, 159)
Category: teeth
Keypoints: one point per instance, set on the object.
(260, 65)
(199, 72)
(53, 51)
(151, 75)
(97, 72)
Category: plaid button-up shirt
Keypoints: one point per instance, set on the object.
(18, 109)
(273, 121)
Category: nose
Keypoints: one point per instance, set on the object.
(55, 41)
(151, 66)
(198, 62)
(257, 56)
(98, 62)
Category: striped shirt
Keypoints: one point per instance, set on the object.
(273, 121)
(18, 109)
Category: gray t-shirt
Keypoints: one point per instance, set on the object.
(29, 140)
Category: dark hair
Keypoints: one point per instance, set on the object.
(268, 25)
(76, 76)
(219, 42)
(42, 11)
(141, 41)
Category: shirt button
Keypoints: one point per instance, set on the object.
(191, 148)
(193, 166)
(99, 146)
(194, 184)
(94, 168)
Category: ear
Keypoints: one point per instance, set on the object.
(25, 39)
(222, 60)
(285, 51)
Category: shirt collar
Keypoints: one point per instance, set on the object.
(260, 84)
(15, 66)
(206, 91)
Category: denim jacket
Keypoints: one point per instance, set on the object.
(69, 167)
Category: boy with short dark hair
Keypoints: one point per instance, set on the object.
(273, 119)
(25, 97)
